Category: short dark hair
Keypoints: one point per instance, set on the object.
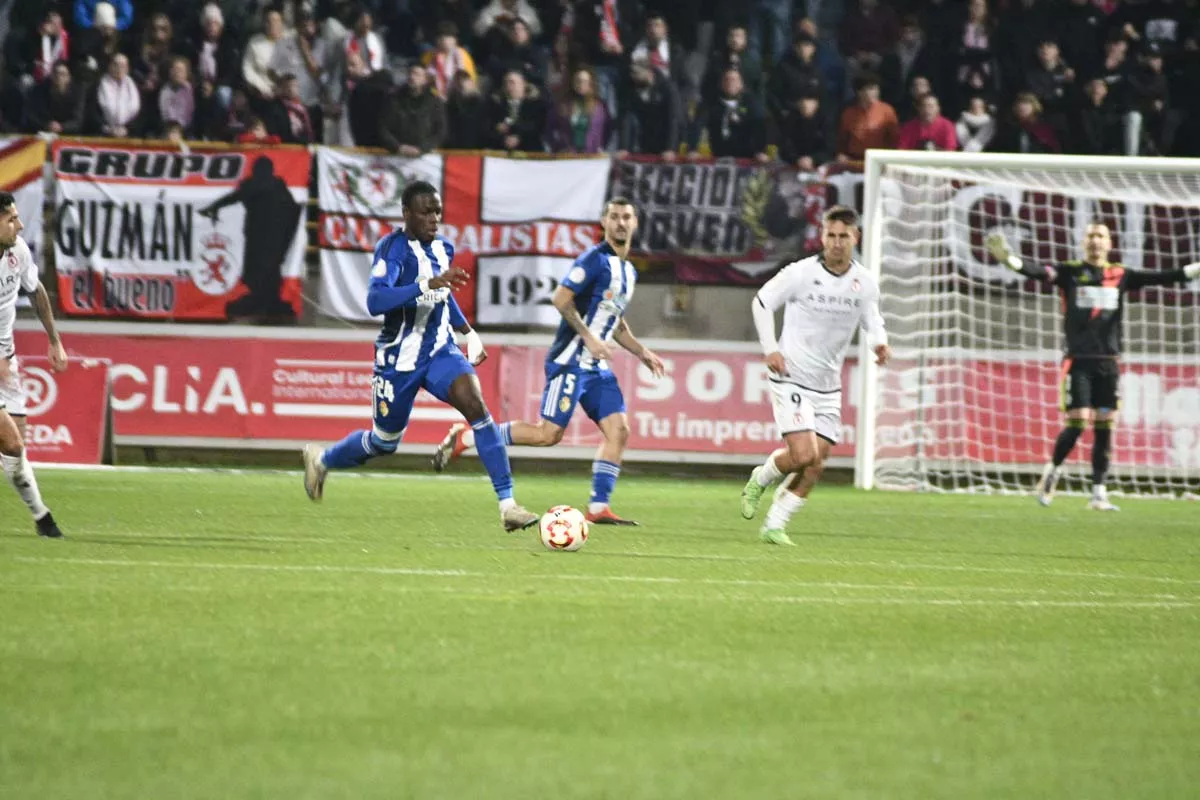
(619, 200)
(415, 190)
(843, 214)
(447, 28)
(864, 80)
(7, 201)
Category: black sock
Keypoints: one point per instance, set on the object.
(1101, 447)
(1066, 440)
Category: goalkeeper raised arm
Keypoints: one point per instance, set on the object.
(1093, 294)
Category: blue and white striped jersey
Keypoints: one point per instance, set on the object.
(603, 285)
(413, 332)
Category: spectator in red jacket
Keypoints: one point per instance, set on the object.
(929, 130)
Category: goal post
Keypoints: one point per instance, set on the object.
(970, 401)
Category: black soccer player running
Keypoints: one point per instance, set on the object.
(1093, 294)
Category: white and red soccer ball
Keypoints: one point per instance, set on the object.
(564, 528)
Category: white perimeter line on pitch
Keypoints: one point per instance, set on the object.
(291, 473)
(456, 573)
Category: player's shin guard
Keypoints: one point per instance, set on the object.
(357, 448)
(1101, 449)
(1066, 440)
(20, 475)
(604, 481)
(494, 456)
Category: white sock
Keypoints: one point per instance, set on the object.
(1099, 491)
(596, 508)
(20, 475)
(768, 473)
(786, 504)
(468, 438)
(506, 504)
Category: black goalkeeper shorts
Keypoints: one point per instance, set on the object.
(1090, 383)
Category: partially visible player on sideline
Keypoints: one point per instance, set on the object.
(411, 283)
(1093, 294)
(826, 297)
(19, 275)
(592, 299)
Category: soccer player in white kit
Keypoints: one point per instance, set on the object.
(19, 275)
(825, 298)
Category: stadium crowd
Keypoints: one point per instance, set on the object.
(810, 83)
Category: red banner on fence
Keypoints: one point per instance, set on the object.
(67, 411)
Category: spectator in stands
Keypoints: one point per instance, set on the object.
(88, 13)
(97, 45)
(1115, 69)
(33, 59)
(516, 116)
(1095, 127)
(796, 76)
(911, 56)
(177, 97)
(366, 94)
(1050, 80)
(286, 116)
(56, 105)
(929, 130)
(976, 70)
(734, 55)
(118, 102)
(942, 21)
(770, 22)
(500, 12)
(807, 137)
(431, 15)
(833, 70)
(311, 57)
(656, 47)
(466, 115)
(918, 87)
(735, 125)
(651, 118)
(174, 134)
(447, 59)
(1025, 131)
(216, 57)
(1160, 22)
(868, 123)
(605, 31)
(1016, 34)
(149, 66)
(256, 63)
(1078, 25)
(365, 42)
(976, 126)
(414, 121)
(256, 133)
(235, 121)
(579, 122)
(1151, 99)
(514, 48)
(867, 33)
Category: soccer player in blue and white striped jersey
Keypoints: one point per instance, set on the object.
(411, 284)
(592, 299)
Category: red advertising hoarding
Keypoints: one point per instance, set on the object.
(67, 412)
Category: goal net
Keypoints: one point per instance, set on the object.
(971, 400)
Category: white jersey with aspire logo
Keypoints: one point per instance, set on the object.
(821, 312)
(18, 274)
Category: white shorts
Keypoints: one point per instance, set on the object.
(12, 396)
(799, 409)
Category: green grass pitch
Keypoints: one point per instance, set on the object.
(215, 635)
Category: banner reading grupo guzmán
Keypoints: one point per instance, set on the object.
(144, 232)
(723, 222)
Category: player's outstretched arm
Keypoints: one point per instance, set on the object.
(624, 337)
(45, 314)
(1136, 279)
(564, 300)
(997, 245)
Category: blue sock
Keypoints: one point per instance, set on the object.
(494, 456)
(604, 480)
(355, 449)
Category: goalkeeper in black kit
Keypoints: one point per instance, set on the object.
(1093, 295)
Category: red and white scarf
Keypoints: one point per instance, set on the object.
(52, 51)
(299, 120)
(369, 48)
(610, 34)
(443, 68)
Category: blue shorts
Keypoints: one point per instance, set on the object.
(598, 393)
(395, 392)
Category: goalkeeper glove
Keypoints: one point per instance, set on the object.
(999, 250)
(1192, 271)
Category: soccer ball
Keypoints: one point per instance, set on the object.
(564, 528)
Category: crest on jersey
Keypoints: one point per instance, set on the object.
(12, 260)
(564, 405)
(383, 408)
(217, 271)
(855, 285)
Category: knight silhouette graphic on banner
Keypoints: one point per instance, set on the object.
(272, 215)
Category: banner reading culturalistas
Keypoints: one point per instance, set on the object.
(144, 232)
(516, 226)
(722, 222)
(22, 162)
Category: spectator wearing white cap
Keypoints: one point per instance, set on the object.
(112, 13)
(98, 43)
(217, 59)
